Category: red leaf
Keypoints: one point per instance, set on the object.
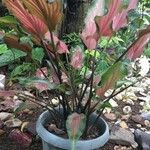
(31, 23)
(137, 47)
(104, 22)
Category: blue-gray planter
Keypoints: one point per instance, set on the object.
(54, 142)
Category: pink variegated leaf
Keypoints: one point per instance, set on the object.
(77, 59)
(104, 22)
(75, 125)
(137, 47)
(89, 34)
(60, 45)
(120, 20)
(132, 4)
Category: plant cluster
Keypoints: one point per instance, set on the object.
(82, 71)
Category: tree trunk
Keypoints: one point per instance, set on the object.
(74, 15)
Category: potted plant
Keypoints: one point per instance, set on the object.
(74, 77)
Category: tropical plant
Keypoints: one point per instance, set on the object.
(79, 75)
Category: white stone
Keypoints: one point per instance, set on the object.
(5, 116)
(127, 109)
(113, 103)
(2, 81)
(13, 123)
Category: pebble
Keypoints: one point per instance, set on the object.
(125, 117)
(123, 125)
(4, 116)
(122, 147)
(139, 125)
(1, 132)
(13, 123)
(142, 103)
(147, 123)
(110, 116)
(146, 115)
(122, 137)
(2, 81)
(145, 99)
(127, 110)
(113, 103)
(138, 119)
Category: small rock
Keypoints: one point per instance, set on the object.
(139, 125)
(122, 147)
(146, 115)
(145, 99)
(125, 117)
(4, 116)
(23, 139)
(55, 101)
(143, 140)
(123, 125)
(26, 111)
(53, 128)
(1, 132)
(138, 119)
(13, 123)
(129, 101)
(113, 103)
(147, 123)
(143, 129)
(2, 81)
(132, 130)
(119, 96)
(141, 103)
(142, 93)
(122, 136)
(110, 116)
(127, 110)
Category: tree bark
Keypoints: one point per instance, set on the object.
(74, 15)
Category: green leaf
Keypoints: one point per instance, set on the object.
(109, 78)
(37, 82)
(26, 40)
(3, 48)
(104, 105)
(11, 55)
(22, 70)
(75, 125)
(38, 54)
(8, 20)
